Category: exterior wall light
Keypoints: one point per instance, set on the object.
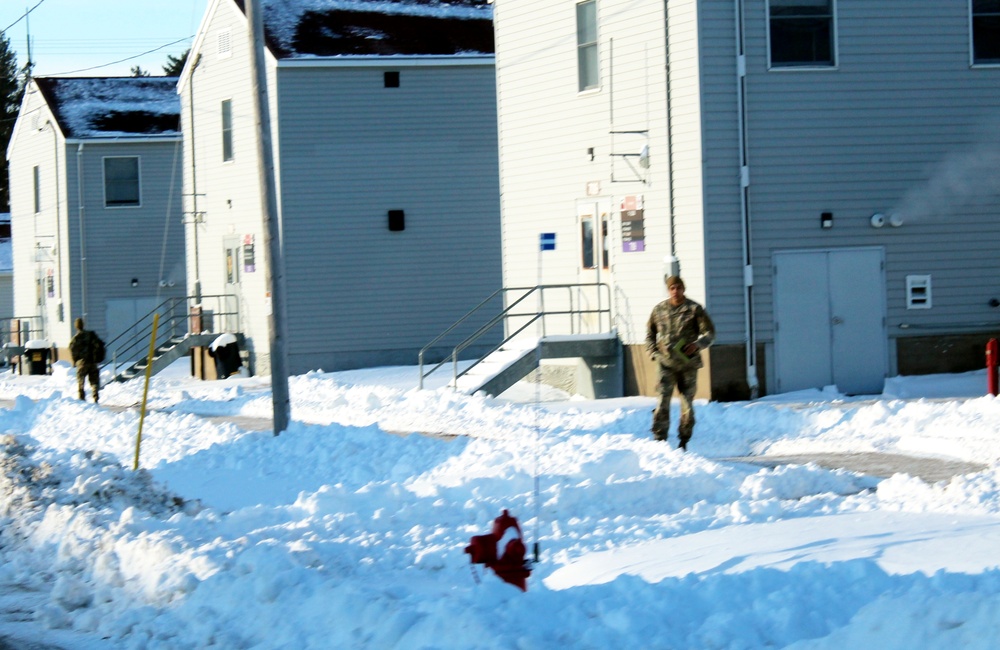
(826, 220)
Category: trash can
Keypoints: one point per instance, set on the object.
(226, 352)
(12, 351)
(37, 353)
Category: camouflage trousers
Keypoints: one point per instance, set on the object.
(685, 380)
(88, 372)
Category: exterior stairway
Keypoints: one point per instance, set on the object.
(500, 370)
(166, 354)
(571, 307)
(172, 321)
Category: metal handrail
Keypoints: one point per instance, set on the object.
(175, 320)
(506, 315)
(7, 328)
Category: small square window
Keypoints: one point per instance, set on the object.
(986, 32)
(391, 79)
(801, 33)
(397, 220)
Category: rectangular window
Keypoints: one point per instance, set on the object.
(37, 186)
(227, 130)
(986, 32)
(801, 33)
(121, 181)
(586, 44)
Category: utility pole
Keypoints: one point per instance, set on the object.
(275, 262)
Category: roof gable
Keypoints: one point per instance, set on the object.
(100, 107)
(328, 28)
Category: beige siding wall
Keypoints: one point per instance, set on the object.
(36, 237)
(229, 199)
(547, 127)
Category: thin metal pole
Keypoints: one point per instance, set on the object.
(275, 263)
(145, 389)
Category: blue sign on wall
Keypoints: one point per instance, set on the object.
(547, 240)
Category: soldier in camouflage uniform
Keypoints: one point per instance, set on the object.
(83, 349)
(678, 330)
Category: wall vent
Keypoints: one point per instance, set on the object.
(225, 45)
(918, 292)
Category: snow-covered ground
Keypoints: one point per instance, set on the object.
(348, 530)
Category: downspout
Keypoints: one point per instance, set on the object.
(674, 264)
(741, 81)
(59, 250)
(83, 248)
(195, 217)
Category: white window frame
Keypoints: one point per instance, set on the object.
(811, 67)
(588, 53)
(989, 63)
(138, 183)
(228, 153)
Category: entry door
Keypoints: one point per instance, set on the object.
(593, 217)
(234, 272)
(830, 320)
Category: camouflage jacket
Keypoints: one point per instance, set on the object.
(671, 328)
(83, 347)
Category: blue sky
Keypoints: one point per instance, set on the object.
(100, 39)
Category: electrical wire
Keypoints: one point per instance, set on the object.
(25, 15)
(95, 67)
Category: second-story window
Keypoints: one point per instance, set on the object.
(121, 181)
(586, 45)
(802, 33)
(986, 32)
(227, 129)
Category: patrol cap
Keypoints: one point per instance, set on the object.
(674, 279)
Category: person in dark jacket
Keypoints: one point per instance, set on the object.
(677, 331)
(85, 349)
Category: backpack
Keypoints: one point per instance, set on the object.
(99, 351)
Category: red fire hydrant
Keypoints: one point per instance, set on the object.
(511, 565)
(991, 366)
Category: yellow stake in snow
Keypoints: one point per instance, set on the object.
(145, 388)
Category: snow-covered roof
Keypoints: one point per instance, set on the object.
(322, 28)
(101, 107)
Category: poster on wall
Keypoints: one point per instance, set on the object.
(249, 257)
(633, 230)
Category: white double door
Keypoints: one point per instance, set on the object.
(829, 308)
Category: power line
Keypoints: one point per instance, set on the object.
(22, 17)
(104, 65)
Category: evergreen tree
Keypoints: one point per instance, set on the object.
(11, 91)
(175, 64)
(138, 72)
